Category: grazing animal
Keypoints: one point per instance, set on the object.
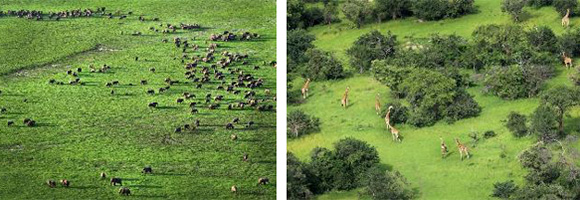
(10, 122)
(236, 120)
(229, 126)
(29, 122)
(125, 191)
(245, 157)
(250, 123)
(143, 82)
(103, 175)
(234, 137)
(153, 104)
(115, 181)
(567, 60)
(179, 100)
(377, 104)
(65, 183)
(344, 100)
(234, 189)
(152, 69)
(147, 170)
(263, 181)
(51, 183)
(150, 91)
(194, 111)
(444, 149)
(566, 19)
(305, 88)
(463, 151)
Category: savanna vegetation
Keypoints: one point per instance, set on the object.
(152, 99)
(494, 84)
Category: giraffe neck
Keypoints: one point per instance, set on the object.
(306, 84)
(567, 13)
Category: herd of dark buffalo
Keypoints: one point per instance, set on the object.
(225, 74)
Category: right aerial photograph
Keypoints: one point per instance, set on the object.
(433, 99)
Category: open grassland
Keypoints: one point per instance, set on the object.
(84, 130)
(418, 157)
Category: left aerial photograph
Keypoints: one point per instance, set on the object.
(145, 98)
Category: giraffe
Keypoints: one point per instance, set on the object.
(395, 134)
(344, 100)
(566, 18)
(388, 117)
(305, 88)
(377, 104)
(567, 60)
(462, 149)
(444, 149)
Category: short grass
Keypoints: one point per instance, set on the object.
(84, 130)
(418, 157)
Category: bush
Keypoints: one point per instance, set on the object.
(514, 8)
(390, 75)
(504, 189)
(380, 184)
(298, 42)
(543, 39)
(489, 134)
(568, 41)
(297, 186)
(430, 9)
(562, 5)
(369, 47)
(539, 3)
(300, 124)
(516, 123)
(322, 66)
(343, 168)
(313, 16)
(392, 9)
(544, 123)
(458, 8)
(462, 106)
(513, 82)
(434, 96)
(399, 113)
(357, 11)
(358, 157)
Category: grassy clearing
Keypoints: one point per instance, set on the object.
(84, 130)
(418, 156)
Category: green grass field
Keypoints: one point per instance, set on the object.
(418, 156)
(84, 130)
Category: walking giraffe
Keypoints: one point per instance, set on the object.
(395, 133)
(566, 18)
(444, 149)
(377, 104)
(462, 149)
(305, 88)
(388, 117)
(344, 100)
(567, 60)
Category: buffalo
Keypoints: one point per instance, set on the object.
(51, 183)
(125, 191)
(263, 181)
(115, 181)
(147, 170)
(65, 183)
